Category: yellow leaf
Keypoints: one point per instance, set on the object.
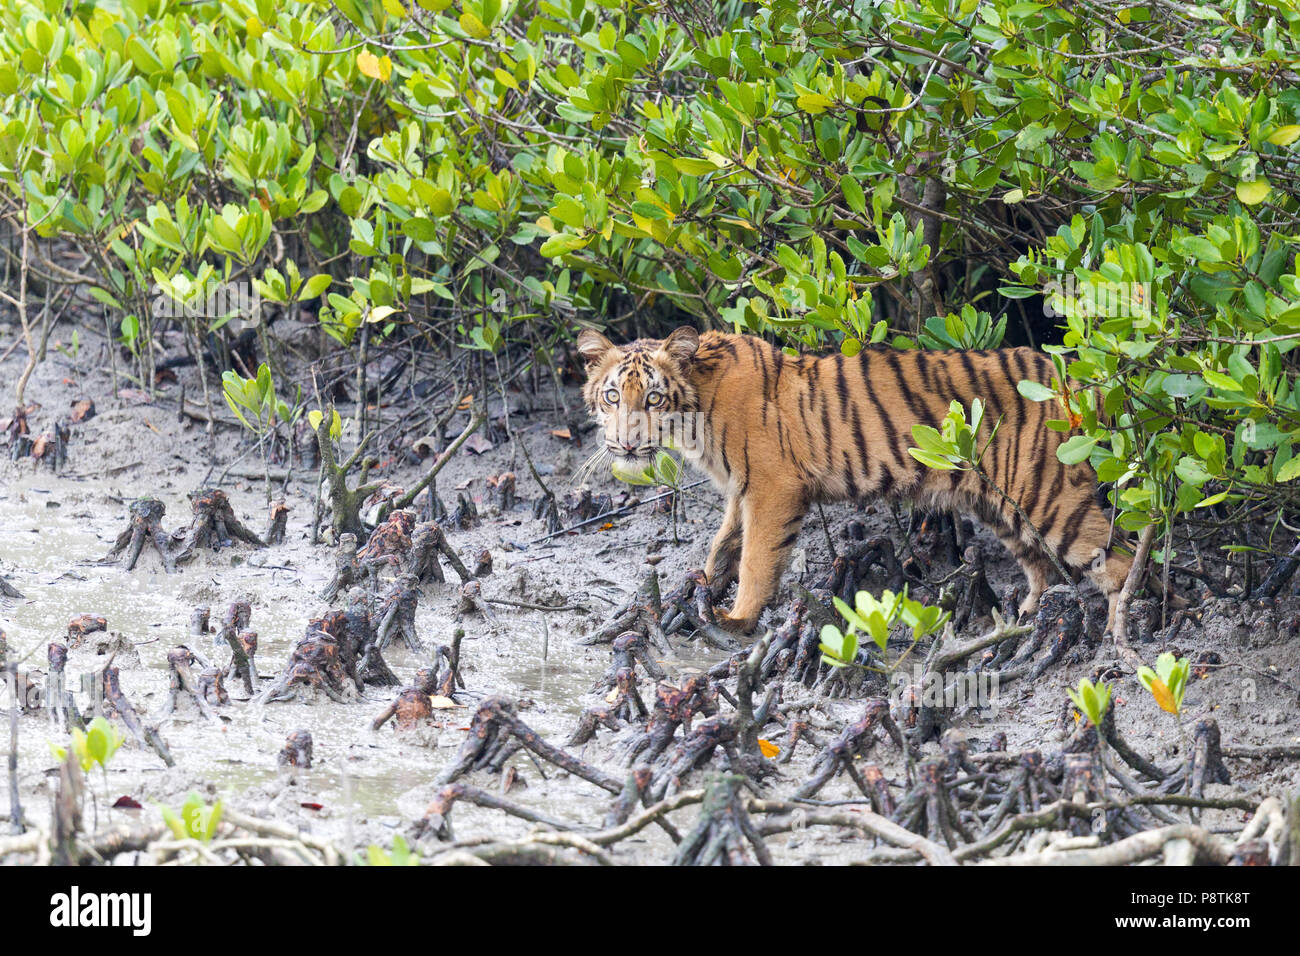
(395, 8)
(1254, 192)
(474, 26)
(438, 702)
(1160, 691)
(254, 28)
(612, 696)
(375, 67)
(768, 748)
(814, 102)
(1285, 135)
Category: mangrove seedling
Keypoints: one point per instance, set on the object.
(1168, 682)
(259, 409)
(196, 820)
(876, 617)
(1093, 700)
(401, 854)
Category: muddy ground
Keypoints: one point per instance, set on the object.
(367, 786)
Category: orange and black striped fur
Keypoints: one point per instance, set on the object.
(780, 433)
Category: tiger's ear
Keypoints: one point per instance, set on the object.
(593, 346)
(681, 344)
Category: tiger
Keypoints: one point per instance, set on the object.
(778, 433)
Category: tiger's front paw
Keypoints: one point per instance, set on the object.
(736, 624)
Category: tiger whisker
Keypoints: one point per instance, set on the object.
(599, 457)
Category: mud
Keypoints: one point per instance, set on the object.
(365, 786)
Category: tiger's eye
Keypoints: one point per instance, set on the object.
(611, 396)
(654, 400)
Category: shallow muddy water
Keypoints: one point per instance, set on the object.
(54, 530)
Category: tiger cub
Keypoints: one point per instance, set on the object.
(779, 433)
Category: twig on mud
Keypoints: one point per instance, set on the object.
(145, 736)
(944, 658)
(475, 421)
(537, 607)
(538, 849)
(1270, 752)
(437, 818)
(1134, 849)
(10, 674)
(1135, 572)
(793, 815)
(1283, 570)
(652, 814)
(615, 513)
(281, 831)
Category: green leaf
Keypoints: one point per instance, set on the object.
(1253, 192)
(930, 440)
(315, 286)
(1076, 450)
(813, 102)
(1034, 391)
(1289, 471)
(563, 243)
(853, 194)
(693, 167)
(474, 26)
(1284, 135)
(420, 229)
(930, 460)
(1218, 380)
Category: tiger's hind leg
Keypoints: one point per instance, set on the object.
(1091, 553)
(1036, 566)
(1109, 570)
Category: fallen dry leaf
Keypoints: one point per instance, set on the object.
(438, 702)
(768, 748)
(562, 433)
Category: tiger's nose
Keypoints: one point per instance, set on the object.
(628, 446)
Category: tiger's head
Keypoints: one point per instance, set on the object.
(640, 393)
